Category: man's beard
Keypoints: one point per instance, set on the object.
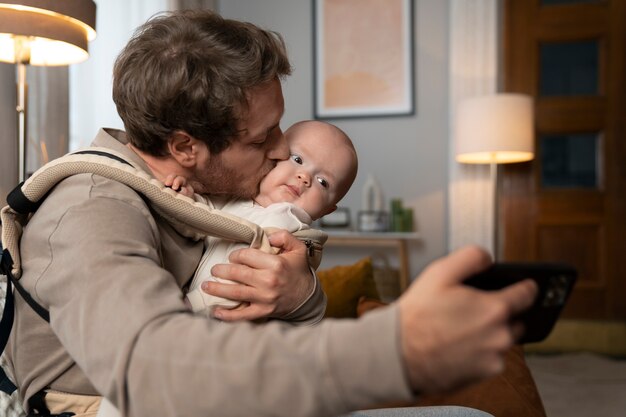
(218, 179)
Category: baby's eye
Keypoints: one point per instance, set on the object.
(322, 182)
(297, 159)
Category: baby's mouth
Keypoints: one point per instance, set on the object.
(293, 190)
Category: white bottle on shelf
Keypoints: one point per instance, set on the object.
(372, 195)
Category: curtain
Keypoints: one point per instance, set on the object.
(473, 71)
(91, 106)
(8, 133)
(48, 120)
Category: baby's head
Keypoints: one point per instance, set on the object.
(319, 172)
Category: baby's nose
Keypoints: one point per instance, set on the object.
(304, 178)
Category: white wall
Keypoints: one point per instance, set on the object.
(408, 155)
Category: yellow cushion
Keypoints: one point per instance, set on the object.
(344, 285)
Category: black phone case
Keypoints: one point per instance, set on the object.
(555, 282)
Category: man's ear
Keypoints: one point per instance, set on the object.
(184, 148)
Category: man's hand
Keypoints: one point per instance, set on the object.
(270, 285)
(453, 334)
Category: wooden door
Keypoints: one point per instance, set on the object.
(569, 203)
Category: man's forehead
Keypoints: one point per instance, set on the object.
(262, 101)
(250, 129)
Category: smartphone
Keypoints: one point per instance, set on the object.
(555, 282)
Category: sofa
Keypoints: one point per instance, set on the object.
(352, 292)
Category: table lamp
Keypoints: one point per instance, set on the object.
(495, 129)
(44, 33)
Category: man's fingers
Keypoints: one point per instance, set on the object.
(517, 329)
(252, 258)
(461, 264)
(235, 292)
(519, 297)
(286, 241)
(247, 313)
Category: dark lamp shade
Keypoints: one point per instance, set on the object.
(50, 32)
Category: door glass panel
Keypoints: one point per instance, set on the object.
(552, 2)
(570, 161)
(568, 68)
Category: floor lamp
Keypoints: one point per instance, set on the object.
(44, 33)
(495, 129)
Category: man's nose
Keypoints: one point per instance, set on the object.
(279, 150)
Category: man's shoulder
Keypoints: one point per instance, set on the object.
(80, 189)
(83, 201)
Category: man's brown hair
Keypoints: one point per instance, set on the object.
(190, 71)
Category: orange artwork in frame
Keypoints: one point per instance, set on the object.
(363, 58)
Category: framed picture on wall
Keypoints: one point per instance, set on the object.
(363, 55)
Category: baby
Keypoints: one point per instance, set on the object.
(319, 172)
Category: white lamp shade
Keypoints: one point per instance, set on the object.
(495, 129)
(54, 32)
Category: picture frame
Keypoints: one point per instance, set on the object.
(363, 58)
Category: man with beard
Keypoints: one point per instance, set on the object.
(200, 97)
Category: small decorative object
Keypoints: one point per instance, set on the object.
(407, 219)
(339, 218)
(372, 195)
(372, 218)
(396, 215)
(401, 217)
(373, 221)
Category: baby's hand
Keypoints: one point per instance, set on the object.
(178, 183)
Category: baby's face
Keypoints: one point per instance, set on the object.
(312, 178)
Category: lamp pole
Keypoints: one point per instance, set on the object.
(22, 97)
(493, 170)
(22, 58)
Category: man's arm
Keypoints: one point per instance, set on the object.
(120, 316)
(277, 286)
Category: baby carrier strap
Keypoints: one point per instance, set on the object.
(192, 219)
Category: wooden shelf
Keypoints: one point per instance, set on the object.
(397, 240)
